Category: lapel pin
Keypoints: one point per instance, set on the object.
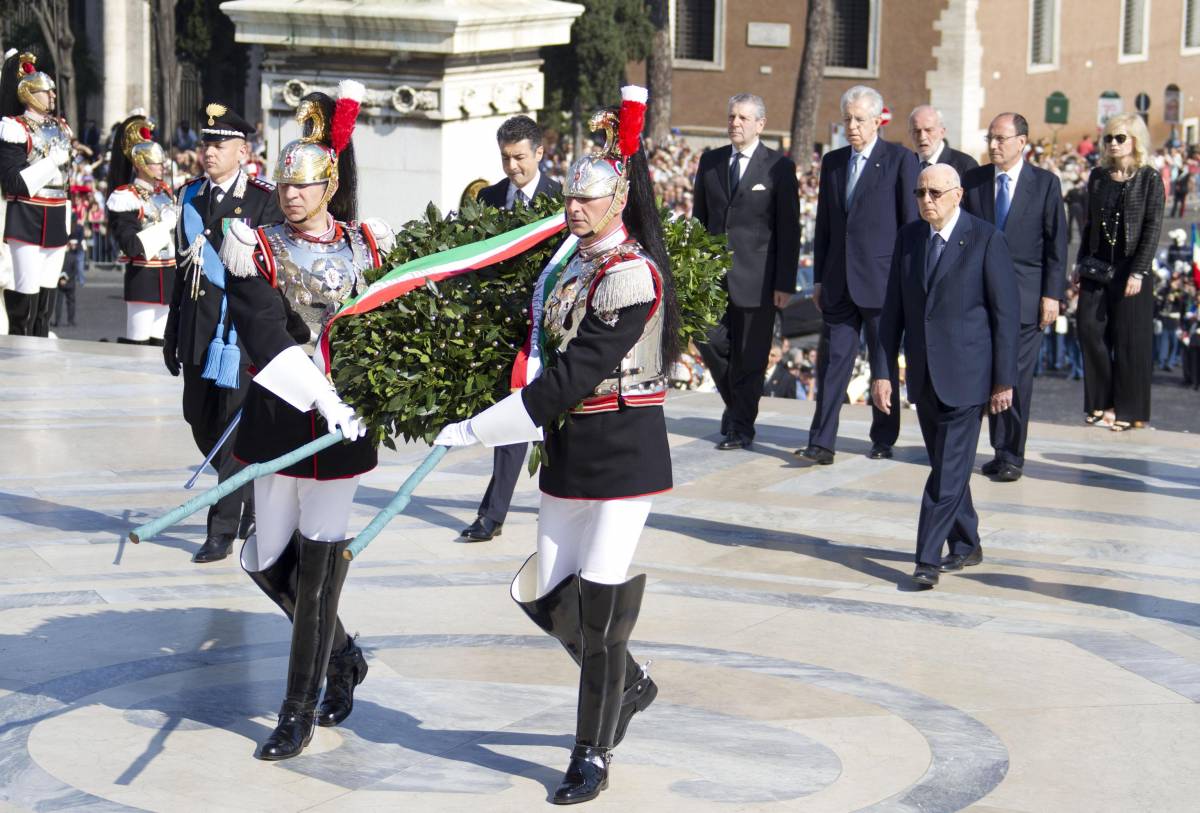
(238, 210)
(962, 242)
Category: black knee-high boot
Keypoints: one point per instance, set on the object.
(607, 615)
(20, 309)
(43, 308)
(557, 613)
(347, 665)
(320, 574)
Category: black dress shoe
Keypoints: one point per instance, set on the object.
(817, 454)
(957, 561)
(1008, 473)
(734, 441)
(586, 776)
(482, 529)
(214, 549)
(925, 575)
(880, 451)
(991, 467)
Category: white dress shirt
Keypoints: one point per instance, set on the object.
(747, 153)
(933, 159)
(948, 228)
(1012, 174)
(529, 189)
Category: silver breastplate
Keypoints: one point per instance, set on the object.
(317, 278)
(153, 206)
(44, 136)
(640, 371)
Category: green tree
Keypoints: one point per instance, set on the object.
(588, 73)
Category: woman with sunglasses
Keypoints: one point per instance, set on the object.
(1116, 251)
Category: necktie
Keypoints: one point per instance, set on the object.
(521, 198)
(932, 254)
(855, 168)
(735, 174)
(1002, 201)
(925, 165)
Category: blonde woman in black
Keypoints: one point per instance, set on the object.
(1114, 271)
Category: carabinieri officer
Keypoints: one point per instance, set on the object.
(200, 340)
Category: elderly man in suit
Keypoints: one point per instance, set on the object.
(1025, 203)
(928, 134)
(865, 196)
(520, 141)
(749, 192)
(952, 295)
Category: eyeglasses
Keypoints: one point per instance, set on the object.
(1117, 137)
(936, 194)
(999, 139)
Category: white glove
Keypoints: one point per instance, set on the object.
(169, 217)
(456, 434)
(340, 415)
(59, 155)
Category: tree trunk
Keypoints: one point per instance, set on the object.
(167, 80)
(55, 23)
(808, 84)
(577, 128)
(659, 72)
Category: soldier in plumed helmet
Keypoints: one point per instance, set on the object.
(35, 162)
(604, 337)
(200, 340)
(305, 267)
(142, 217)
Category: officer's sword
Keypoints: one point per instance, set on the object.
(228, 431)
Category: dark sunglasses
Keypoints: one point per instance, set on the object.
(1119, 138)
(936, 194)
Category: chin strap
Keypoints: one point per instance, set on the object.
(615, 208)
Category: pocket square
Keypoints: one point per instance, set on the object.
(758, 188)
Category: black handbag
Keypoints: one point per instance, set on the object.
(1096, 269)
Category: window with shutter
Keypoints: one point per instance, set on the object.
(1191, 24)
(698, 27)
(1133, 28)
(1043, 33)
(853, 38)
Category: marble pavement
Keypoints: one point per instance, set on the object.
(797, 670)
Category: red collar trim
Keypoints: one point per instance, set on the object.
(332, 235)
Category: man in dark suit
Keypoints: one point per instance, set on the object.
(953, 297)
(778, 380)
(748, 192)
(1026, 203)
(198, 326)
(520, 141)
(928, 134)
(521, 151)
(865, 197)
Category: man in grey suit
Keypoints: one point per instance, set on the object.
(952, 296)
(928, 133)
(520, 141)
(748, 192)
(1026, 204)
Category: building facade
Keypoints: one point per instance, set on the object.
(970, 58)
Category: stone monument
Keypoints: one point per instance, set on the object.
(441, 76)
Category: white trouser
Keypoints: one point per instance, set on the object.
(35, 267)
(145, 321)
(319, 509)
(594, 538)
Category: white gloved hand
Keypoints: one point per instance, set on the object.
(456, 434)
(340, 415)
(169, 217)
(59, 155)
